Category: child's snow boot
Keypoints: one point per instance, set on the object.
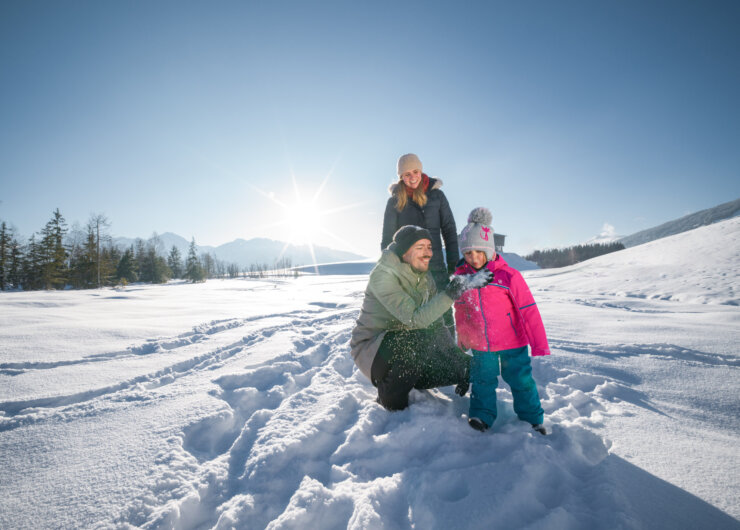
(478, 424)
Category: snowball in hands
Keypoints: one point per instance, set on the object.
(459, 284)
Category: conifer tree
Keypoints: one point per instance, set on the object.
(53, 254)
(140, 260)
(160, 271)
(174, 261)
(15, 270)
(32, 265)
(126, 269)
(153, 267)
(193, 269)
(4, 255)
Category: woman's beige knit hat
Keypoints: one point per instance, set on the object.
(408, 162)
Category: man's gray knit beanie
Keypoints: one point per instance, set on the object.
(478, 233)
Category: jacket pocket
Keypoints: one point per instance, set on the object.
(511, 322)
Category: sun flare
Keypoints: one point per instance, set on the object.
(304, 222)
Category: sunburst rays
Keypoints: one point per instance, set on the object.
(305, 218)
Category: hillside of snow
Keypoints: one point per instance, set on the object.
(709, 216)
(698, 266)
(235, 404)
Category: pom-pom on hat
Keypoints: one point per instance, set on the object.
(408, 162)
(406, 236)
(478, 233)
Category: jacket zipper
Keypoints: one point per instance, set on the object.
(483, 314)
(511, 322)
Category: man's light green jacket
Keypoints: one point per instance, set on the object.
(397, 298)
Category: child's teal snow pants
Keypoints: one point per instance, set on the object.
(516, 369)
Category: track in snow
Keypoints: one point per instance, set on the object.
(300, 442)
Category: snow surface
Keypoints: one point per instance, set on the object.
(235, 404)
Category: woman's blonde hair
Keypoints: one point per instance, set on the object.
(419, 196)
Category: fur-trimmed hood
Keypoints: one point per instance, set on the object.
(434, 184)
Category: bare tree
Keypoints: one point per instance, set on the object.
(99, 224)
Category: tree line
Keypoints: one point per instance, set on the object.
(562, 257)
(86, 257)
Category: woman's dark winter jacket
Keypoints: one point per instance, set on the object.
(435, 216)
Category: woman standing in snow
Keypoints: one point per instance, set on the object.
(417, 199)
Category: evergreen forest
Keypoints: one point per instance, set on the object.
(562, 257)
(86, 257)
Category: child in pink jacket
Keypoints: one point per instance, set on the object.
(497, 322)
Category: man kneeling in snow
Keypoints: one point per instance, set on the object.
(400, 341)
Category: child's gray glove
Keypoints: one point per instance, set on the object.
(464, 282)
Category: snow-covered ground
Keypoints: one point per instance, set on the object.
(235, 404)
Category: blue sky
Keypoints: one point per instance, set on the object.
(203, 118)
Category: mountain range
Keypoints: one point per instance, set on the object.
(247, 252)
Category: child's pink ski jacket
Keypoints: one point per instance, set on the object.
(500, 316)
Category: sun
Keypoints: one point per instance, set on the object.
(303, 222)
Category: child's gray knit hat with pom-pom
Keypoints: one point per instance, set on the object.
(478, 234)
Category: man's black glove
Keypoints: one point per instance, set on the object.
(462, 388)
(463, 282)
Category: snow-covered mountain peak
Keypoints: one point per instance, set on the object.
(608, 234)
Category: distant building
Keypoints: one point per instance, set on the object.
(498, 242)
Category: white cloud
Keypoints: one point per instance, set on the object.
(607, 231)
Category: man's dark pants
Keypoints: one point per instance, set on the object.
(420, 359)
